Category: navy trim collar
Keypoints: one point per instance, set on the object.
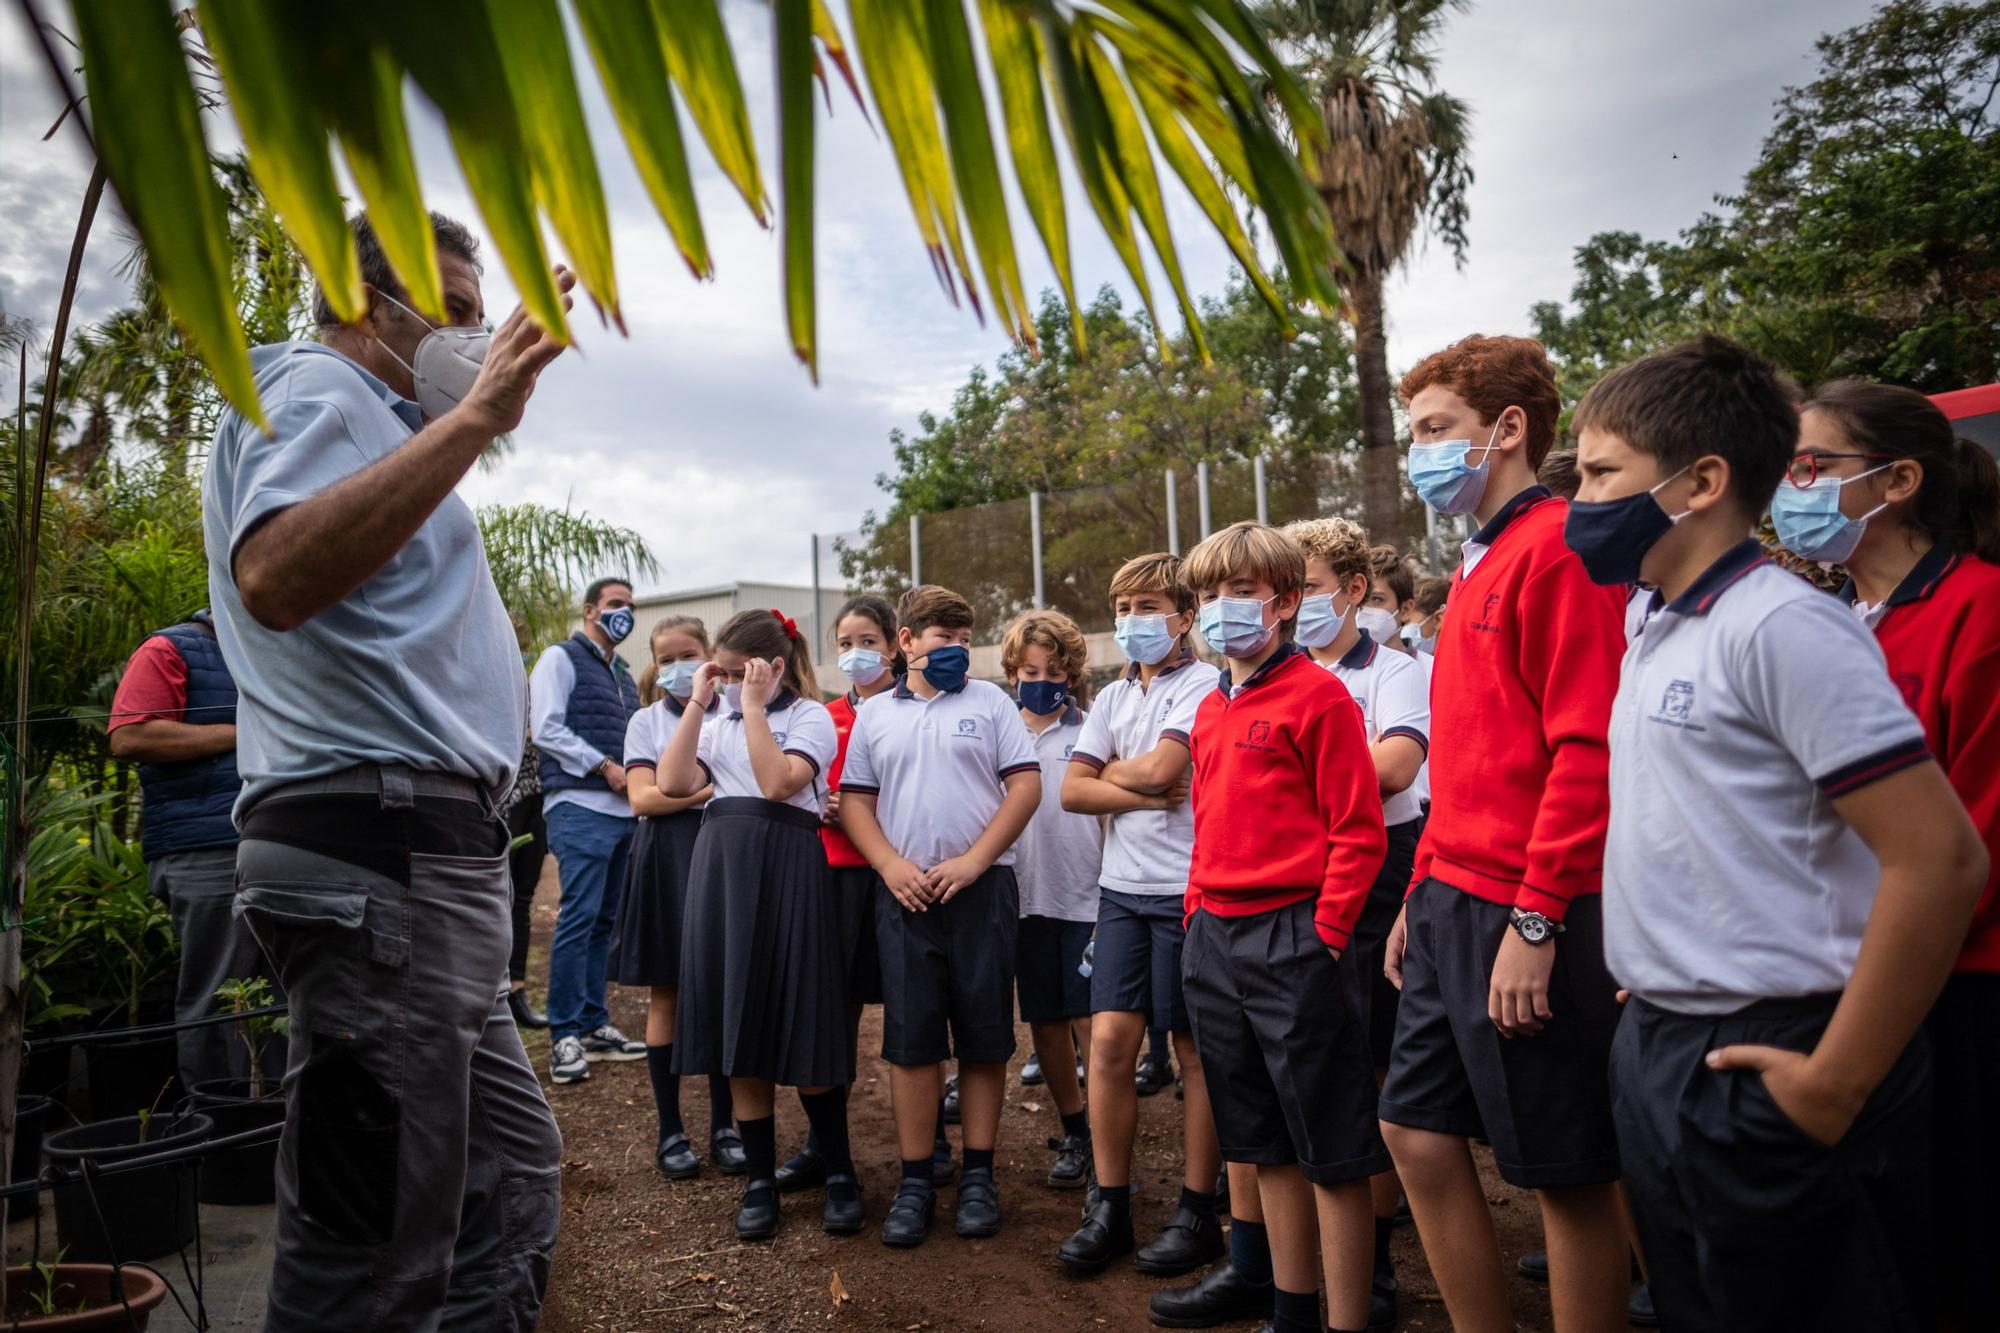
(1361, 654)
(777, 703)
(1183, 658)
(1489, 532)
(1712, 582)
(903, 690)
(1920, 582)
(677, 705)
(1285, 653)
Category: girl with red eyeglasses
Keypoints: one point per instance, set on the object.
(1882, 488)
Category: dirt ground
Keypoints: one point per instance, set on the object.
(642, 1253)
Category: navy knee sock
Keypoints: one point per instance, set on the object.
(1250, 1251)
(721, 1103)
(760, 1147)
(666, 1089)
(1294, 1311)
(827, 1112)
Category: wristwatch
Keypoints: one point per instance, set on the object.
(1533, 927)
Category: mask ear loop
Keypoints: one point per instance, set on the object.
(1869, 473)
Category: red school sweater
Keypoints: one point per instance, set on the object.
(1941, 634)
(1286, 803)
(1527, 665)
(841, 853)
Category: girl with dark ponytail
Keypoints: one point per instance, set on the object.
(763, 986)
(1914, 518)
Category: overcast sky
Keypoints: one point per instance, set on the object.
(701, 431)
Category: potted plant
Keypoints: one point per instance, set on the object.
(133, 935)
(139, 1214)
(243, 1175)
(64, 1297)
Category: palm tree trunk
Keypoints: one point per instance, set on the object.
(1381, 469)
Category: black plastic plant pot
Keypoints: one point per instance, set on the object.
(31, 1120)
(240, 1175)
(127, 1077)
(141, 1214)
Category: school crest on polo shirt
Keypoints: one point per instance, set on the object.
(968, 728)
(1677, 707)
(779, 738)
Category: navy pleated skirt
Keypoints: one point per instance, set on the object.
(646, 942)
(763, 989)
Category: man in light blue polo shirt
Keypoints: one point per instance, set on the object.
(378, 722)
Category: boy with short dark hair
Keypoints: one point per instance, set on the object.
(940, 779)
(1131, 764)
(1507, 1011)
(1788, 876)
(1288, 840)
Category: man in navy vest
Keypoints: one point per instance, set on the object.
(175, 714)
(580, 697)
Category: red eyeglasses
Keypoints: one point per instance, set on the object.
(1804, 470)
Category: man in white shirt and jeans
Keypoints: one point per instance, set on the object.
(582, 697)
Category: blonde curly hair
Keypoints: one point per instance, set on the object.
(1340, 543)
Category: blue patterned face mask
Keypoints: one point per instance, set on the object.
(1445, 479)
(616, 623)
(1809, 521)
(677, 678)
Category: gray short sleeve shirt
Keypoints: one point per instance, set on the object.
(1744, 707)
(417, 666)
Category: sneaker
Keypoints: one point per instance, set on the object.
(1072, 1161)
(567, 1062)
(1031, 1072)
(951, 1100)
(608, 1043)
(1153, 1075)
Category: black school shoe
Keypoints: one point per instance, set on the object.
(951, 1100)
(725, 1149)
(757, 1219)
(1382, 1303)
(1072, 1163)
(1639, 1310)
(840, 1216)
(942, 1167)
(1222, 1296)
(805, 1171)
(909, 1219)
(525, 1014)
(1534, 1265)
(1185, 1243)
(676, 1158)
(978, 1203)
(1105, 1236)
(1153, 1075)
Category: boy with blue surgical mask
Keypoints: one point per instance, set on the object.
(1506, 1015)
(939, 780)
(1131, 763)
(1788, 878)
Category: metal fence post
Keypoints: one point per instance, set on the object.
(916, 552)
(1173, 516)
(816, 640)
(1035, 532)
(1263, 501)
(1201, 494)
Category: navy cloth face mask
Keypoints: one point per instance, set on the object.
(1612, 537)
(1042, 697)
(945, 667)
(616, 623)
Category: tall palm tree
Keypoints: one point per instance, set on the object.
(1393, 160)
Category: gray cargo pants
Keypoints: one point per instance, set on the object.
(419, 1174)
(199, 888)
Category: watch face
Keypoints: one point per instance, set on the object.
(1534, 929)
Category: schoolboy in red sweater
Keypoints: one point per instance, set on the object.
(1507, 1009)
(1288, 838)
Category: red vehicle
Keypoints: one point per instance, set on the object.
(1974, 413)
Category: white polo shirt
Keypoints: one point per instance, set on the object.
(1744, 706)
(1395, 698)
(800, 726)
(1147, 851)
(1058, 855)
(937, 767)
(652, 728)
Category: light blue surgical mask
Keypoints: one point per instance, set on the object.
(1319, 621)
(1809, 521)
(1143, 639)
(677, 678)
(1234, 626)
(1446, 481)
(863, 666)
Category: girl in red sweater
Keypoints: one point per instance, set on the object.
(1881, 487)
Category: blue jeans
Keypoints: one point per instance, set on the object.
(590, 860)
